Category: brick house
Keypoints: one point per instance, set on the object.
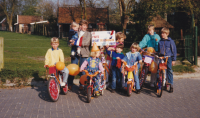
(98, 18)
(3, 24)
(23, 23)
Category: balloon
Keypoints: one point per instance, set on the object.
(153, 67)
(73, 69)
(60, 66)
(83, 79)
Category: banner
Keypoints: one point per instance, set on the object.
(103, 38)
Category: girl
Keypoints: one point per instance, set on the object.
(93, 64)
(132, 57)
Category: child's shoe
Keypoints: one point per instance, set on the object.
(62, 84)
(72, 55)
(79, 52)
(112, 91)
(97, 93)
(138, 91)
(171, 90)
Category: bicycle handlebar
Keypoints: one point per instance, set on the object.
(91, 75)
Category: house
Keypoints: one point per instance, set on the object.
(3, 24)
(23, 23)
(159, 23)
(66, 15)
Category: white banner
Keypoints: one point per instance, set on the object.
(103, 38)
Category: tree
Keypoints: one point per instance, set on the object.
(29, 7)
(9, 7)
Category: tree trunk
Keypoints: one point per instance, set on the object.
(124, 17)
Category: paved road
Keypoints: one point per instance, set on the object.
(35, 103)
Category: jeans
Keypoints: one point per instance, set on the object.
(65, 72)
(169, 71)
(116, 76)
(136, 78)
(71, 78)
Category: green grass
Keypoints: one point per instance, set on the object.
(26, 52)
(183, 68)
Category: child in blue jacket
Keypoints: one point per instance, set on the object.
(167, 47)
(116, 73)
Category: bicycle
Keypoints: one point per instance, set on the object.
(53, 84)
(162, 80)
(90, 87)
(147, 59)
(130, 78)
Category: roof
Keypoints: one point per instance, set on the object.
(160, 22)
(21, 19)
(2, 20)
(69, 14)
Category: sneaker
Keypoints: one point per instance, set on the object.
(72, 56)
(171, 90)
(112, 91)
(152, 85)
(138, 91)
(62, 84)
(97, 93)
(80, 87)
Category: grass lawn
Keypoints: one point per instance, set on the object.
(25, 54)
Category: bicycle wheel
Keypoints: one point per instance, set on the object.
(89, 95)
(65, 89)
(53, 89)
(129, 89)
(160, 84)
(143, 76)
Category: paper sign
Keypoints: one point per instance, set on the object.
(148, 60)
(103, 38)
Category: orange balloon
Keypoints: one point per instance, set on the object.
(60, 66)
(73, 69)
(83, 79)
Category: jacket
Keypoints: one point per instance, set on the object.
(167, 47)
(86, 43)
(150, 41)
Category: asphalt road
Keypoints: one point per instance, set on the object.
(35, 103)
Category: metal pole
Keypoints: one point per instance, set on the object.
(196, 46)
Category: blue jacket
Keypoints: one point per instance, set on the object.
(150, 41)
(167, 47)
(114, 56)
(131, 58)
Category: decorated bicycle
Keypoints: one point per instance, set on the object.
(149, 65)
(55, 78)
(128, 82)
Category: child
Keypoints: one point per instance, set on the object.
(93, 64)
(73, 36)
(102, 54)
(116, 74)
(120, 37)
(167, 47)
(55, 55)
(132, 57)
(151, 39)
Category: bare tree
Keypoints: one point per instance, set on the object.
(9, 7)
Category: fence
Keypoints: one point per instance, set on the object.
(1, 53)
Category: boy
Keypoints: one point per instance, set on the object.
(167, 47)
(116, 73)
(55, 55)
(151, 39)
(73, 36)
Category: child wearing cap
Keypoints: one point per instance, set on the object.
(55, 55)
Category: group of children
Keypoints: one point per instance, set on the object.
(165, 46)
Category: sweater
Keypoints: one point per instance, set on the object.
(53, 56)
(114, 56)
